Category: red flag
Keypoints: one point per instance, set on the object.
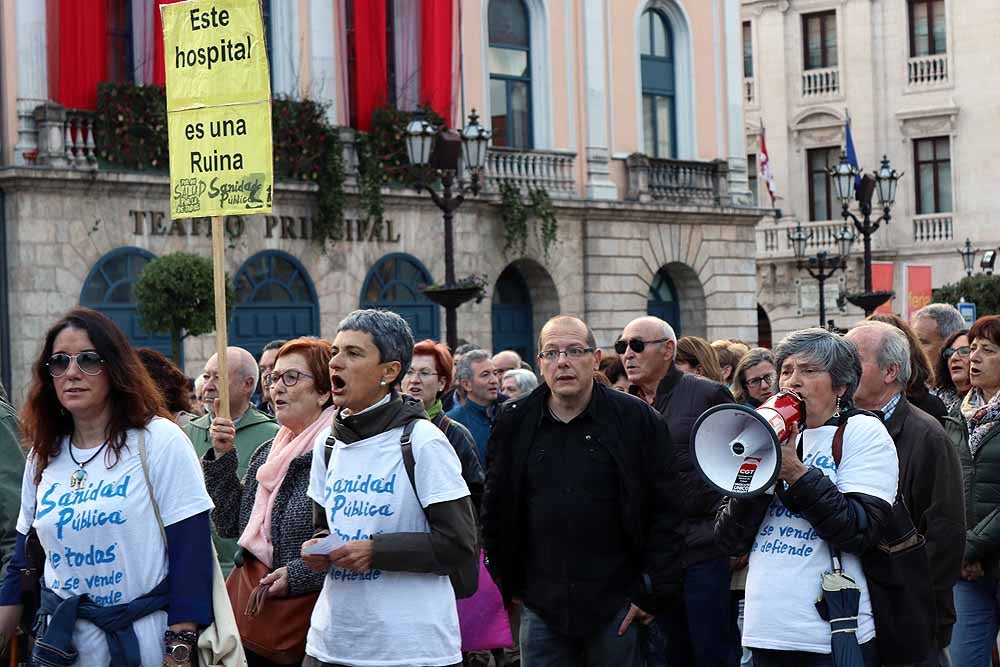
(764, 164)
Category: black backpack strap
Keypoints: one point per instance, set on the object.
(409, 462)
(328, 449)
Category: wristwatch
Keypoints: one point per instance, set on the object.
(179, 652)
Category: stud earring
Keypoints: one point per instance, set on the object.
(382, 383)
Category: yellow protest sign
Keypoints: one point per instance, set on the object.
(218, 108)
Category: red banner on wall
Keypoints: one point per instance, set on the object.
(918, 288)
(882, 281)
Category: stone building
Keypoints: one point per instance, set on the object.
(627, 112)
(916, 78)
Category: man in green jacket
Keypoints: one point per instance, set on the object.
(11, 472)
(253, 427)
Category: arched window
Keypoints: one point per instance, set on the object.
(510, 74)
(656, 55)
(109, 289)
(395, 284)
(662, 301)
(275, 299)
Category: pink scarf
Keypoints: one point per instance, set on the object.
(256, 537)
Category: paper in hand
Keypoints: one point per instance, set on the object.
(324, 546)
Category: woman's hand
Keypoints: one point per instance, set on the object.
(972, 571)
(355, 556)
(223, 433)
(791, 467)
(315, 562)
(9, 616)
(278, 581)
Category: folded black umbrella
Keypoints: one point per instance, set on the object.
(839, 605)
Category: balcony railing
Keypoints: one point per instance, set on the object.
(65, 137)
(550, 170)
(749, 91)
(925, 71)
(821, 82)
(932, 228)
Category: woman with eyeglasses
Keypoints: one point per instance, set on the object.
(753, 381)
(269, 509)
(106, 468)
(974, 429)
(427, 380)
(952, 370)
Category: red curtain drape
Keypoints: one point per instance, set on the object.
(436, 37)
(80, 53)
(159, 68)
(370, 74)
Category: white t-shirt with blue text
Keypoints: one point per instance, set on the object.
(103, 539)
(788, 559)
(379, 618)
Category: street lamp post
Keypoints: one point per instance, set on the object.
(438, 149)
(968, 254)
(845, 180)
(822, 265)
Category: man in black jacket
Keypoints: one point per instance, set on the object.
(930, 476)
(578, 515)
(701, 631)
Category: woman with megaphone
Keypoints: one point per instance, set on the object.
(806, 535)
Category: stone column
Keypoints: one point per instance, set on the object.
(599, 185)
(50, 119)
(735, 148)
(32, 73)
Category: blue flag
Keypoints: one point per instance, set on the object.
(852, 156)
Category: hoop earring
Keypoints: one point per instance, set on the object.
(836, 410)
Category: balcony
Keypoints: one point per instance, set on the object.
(927, 71)
(749, 91)
(550, 170)
(685, 182)
(65, 138)
(772, 239)
(820, 83)
(932, 228)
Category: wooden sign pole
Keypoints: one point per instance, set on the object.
(221, 335)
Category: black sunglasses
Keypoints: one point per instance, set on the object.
(637, 344)
(88, 362)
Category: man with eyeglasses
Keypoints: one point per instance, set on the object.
(579, 515)
(930, 475)
(699, 632)
(247, 428)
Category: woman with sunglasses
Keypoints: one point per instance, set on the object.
(101, 441)
(952, 370)
(269, 511)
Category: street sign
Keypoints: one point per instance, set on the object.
(968, 310)
(218, 108)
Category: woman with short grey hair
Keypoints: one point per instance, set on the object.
(388, 530)
(517, 383)
(819, 505)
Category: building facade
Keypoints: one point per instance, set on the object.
(914, 77)
(627, 112)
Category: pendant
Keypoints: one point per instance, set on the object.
(78, 479)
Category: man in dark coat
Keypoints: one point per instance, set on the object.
(579, 520)
(930, 476)
(702, 632)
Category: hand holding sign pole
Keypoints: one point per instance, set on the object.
(219, 126)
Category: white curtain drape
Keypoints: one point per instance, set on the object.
(142, 41)
(406, 35)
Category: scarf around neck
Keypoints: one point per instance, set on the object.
(980, 416)
(285, 448)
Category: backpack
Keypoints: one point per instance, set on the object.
(465, 576)
(899, 581)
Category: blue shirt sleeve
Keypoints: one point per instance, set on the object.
(189, 555)
(10, 585)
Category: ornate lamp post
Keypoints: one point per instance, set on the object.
(434, 153)
(968, 254)
(845, 178)
(822, 265)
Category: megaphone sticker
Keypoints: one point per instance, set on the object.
(745, 474)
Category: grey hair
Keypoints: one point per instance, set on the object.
(465, 348)
(893, 348)
(667, 330)
(754, 357)
(390, 333)
(945, 316)
(836, 355)
(526, 380)
(463, 369)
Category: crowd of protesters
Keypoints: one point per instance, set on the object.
(373, 500)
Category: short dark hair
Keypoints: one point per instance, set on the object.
(169, 379)
(612, 367)
(274, 345)
(942, 374)
(988, 327)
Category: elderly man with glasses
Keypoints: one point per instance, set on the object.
(701, 631)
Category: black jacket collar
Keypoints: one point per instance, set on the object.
(665, 386)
